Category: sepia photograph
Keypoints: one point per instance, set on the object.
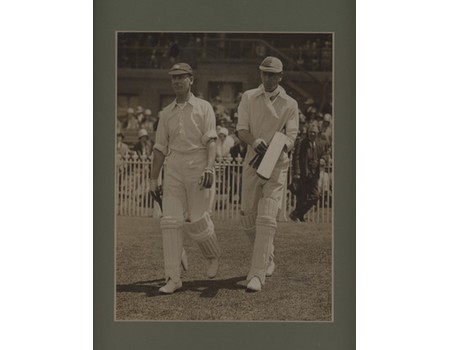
(224, 176)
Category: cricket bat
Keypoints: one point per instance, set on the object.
(276, 146)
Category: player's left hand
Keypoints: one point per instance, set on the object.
(260, 146)
(207, 178)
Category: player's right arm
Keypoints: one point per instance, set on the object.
(157, 163)
(243, 127)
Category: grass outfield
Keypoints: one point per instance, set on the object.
(299, 290)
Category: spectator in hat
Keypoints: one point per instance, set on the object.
(306, 174)
(144, 146)
(139, 114)
(224, 143)
(310, 109)
(131, 120)
(326, 131)
(147, 122)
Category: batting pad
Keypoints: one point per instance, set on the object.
(248, 223)
(172, 247)
(272, 155)
(202, 232)
(266, 226)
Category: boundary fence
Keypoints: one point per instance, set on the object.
(133, 191)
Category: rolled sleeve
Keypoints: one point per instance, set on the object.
(209, 130)
(209, 135)
(162, 137)
(243, 114)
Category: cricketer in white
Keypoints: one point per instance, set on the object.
(187, 136)
(262, 112)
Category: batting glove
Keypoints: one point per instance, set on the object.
(260, 146)
(207, 178)
(156, 192)
(256, 160)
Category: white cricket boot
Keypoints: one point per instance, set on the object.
(254, 284)
(170, 287)
(212, 267)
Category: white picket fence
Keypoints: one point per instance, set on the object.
(133, 195)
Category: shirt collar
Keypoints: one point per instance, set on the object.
(192, 100)
(282, 94)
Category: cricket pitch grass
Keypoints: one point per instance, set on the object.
(299, 290)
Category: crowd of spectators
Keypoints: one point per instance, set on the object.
(162, 50)
(154, 50)
(140, 122)
(144, 124)
(311, 55)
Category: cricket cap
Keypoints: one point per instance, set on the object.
(180, 68)
(271, 64)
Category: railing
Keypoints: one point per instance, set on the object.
(133, 195)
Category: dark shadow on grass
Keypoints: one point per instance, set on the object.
(150, 288)
(206, 288)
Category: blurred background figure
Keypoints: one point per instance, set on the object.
(238, 150)
(147, 123)
(224, 143)
(131, 120)
(301, 120)
(139, 114)
(326, 131)
(119, 125)
(122, 148)
(144, 147)
(174, 52)
(219, 107)
(306, 174)
(324, 185)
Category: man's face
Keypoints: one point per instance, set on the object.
(181, 84)
(271, 80)
(312, 135)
